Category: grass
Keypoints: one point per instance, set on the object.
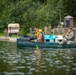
(1, 34)
(13, 35)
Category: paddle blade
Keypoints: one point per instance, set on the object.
(37, 47)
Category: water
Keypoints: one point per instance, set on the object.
(15, 61)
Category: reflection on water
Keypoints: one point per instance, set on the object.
(38, 55)
(15, 61)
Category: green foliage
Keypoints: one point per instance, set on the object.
(35, 13)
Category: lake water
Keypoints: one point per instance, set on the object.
(14, 61)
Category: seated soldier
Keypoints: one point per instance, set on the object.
(38, 35)
(70, 36)
(41, 36)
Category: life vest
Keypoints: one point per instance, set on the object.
(39, 30)
(42, 38)
(36, 35)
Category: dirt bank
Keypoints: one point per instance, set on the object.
(9, 39)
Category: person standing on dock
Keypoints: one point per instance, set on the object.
(5, 32)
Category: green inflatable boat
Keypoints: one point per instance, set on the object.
(25, 42)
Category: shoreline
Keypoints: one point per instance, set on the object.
(8, 39)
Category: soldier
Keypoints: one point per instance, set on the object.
(49, 27)
(5, 32)
(45, 30)
(70, 36)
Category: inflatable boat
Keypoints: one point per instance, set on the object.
(49, 42)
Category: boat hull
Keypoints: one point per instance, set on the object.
(24, 44)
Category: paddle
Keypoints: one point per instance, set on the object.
(37, 46)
